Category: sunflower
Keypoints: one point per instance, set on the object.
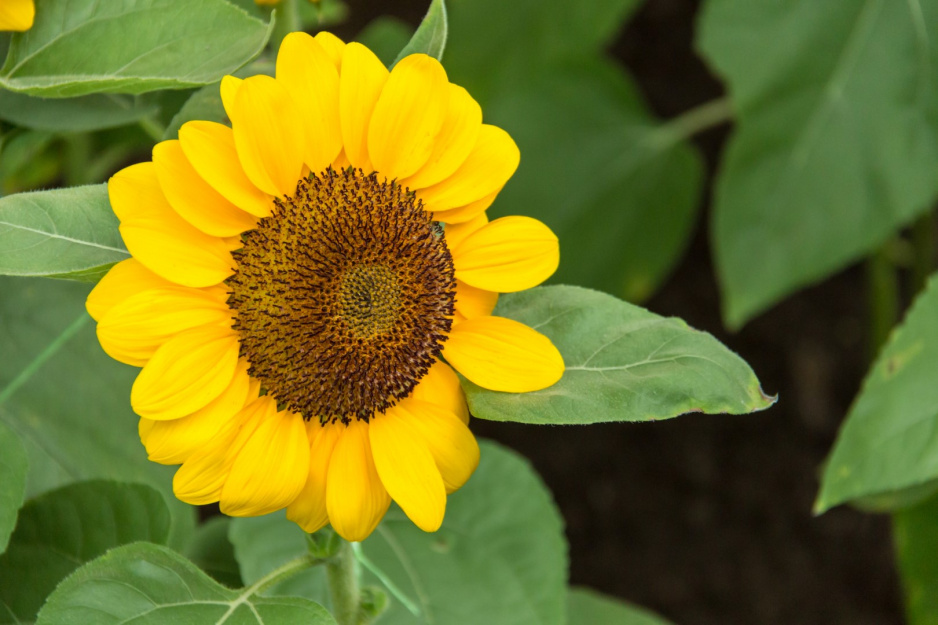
(17, 14)
(304, 283)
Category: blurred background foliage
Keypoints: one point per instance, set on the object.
(727, 161)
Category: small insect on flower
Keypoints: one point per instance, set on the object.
(17, 15)
(304, 283)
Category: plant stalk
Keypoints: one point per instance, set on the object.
(883, 293)
(343, 576)
(700, 118)
(923, 245)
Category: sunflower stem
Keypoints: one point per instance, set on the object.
(700, 118)
(883, 295)
(288, 21)
(343, 576)
(923, 241)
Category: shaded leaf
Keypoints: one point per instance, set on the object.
(211, 550)
(837, 142)
(139, 46)
(82, 114)
(623, 363)
(386, 36)
(887, 445)
(146, 583)
(13, 465)
(204, 104)
(500, 556)
(67, 400)
(63, 233)
(588, 607)
(61, 530)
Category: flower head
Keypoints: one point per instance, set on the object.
(304, 283)
(17, 15)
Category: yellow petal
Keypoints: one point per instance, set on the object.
(134, 329)
(17, 15)
(186, 373)
(174, 441)
(503, 355)
(408, 116)
(507, 255)
(268, 135)
(229, 90)
(441, 386)
(407, 468)
(125, 279)
(202, 476)
(333, 46)
(341, 161)
(493, 160)
(311, 78)
(454, 142)
(457, 233)
(270, 470)
(360, 84)
(210, 147)
(472, 302)
(464, 214)
(158, 237)
(453, 447)
(308, 510)
(356, 500)
(193, 198)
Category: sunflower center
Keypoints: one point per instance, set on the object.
(343, 297)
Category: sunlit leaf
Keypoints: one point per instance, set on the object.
(623, 363)
(63, 233)
(78, 47)
(430, 38)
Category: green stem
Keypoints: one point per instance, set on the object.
(343, 576)
(153, 129)
(276, 576)
(288, 21)
(883, 296)
(923, 244)
(707, 115)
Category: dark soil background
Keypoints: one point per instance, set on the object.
(707, 519)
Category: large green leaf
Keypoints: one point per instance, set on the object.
(588, 607)
(500, 556)
(623, 363)
(67, 400)
(60, 531)
(148, 585)
(430, 37)
(618, 188)
(888, 444)
(64, 233)
(78, 47)
(915, 532)
(82, 114)
(837, 141)
(13, 465)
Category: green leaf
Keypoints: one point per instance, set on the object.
(623, 363)
(204, 104)
(887, 443)
(149, 584)
(77, 47)
(13, 467)
(430, 38)
(60, 531)
(915, 533)
(63, 233)
(67, 400)
(837, 142)
(500, 556)
(385, 36)
(588, 607)
(625, 207)
(82, 114)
